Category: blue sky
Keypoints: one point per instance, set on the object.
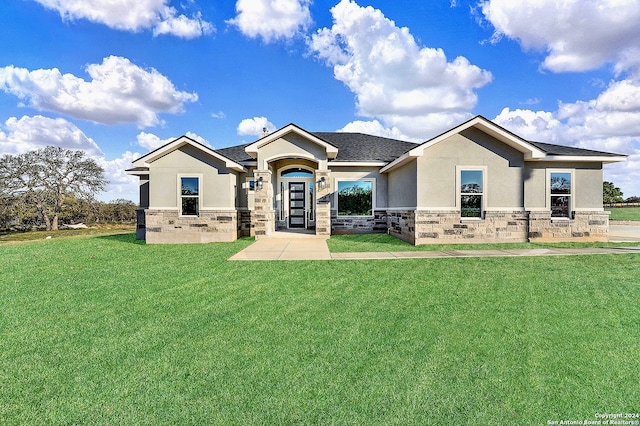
(120, 78)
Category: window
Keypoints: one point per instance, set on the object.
(190, 196)
(311, 202)
(560, 190)
(355, 198)
(471, 193)
(296, 173)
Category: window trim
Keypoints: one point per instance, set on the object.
(373, 195)
(571, 194)
(483, 194)
(180, 196)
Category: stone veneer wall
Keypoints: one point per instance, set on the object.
(446, 227)
(584, 226)
(402, 224)
(263, 216)
(246, 227)
(167, 226)
(323, 203)
(323, 219)
(359, 225)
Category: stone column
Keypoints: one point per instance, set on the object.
(264, 214)
(323, 202)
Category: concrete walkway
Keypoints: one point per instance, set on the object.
(483, 253)
(305, 247)
(281, 248)
(624, 233)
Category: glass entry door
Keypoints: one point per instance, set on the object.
(296, 205)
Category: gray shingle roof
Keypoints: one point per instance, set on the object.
(351, 147)
(362, 147)
(552, 149)
(354, 147)
(236, 153)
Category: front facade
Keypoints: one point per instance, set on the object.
(474, 183)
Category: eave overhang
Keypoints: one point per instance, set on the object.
(357, 163)
(581, 159)
(138, 171)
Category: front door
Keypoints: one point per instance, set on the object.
(296, 204)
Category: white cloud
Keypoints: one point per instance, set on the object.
(416, 89)
(374, 127)
(255, 126)
(151, 141)
(118, 92)
(586, 124)
(121, 185)
(198, 138)
(272, 19)
(577, 35)
(133, 16)
(20, 135)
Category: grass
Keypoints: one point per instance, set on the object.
(95, 229)
(384, 242)
(106, 330)
(625, 213)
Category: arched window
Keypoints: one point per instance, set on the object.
(296, 173)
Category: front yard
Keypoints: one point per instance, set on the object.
(104, 330)
(625, 213)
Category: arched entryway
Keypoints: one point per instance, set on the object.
(295, 197)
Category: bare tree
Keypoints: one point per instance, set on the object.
(46, 177)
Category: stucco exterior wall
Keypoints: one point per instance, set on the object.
(588, 189)
(292, 146)
(402, 186)
(587, 184)
(242, 190)
(535, 186)
(218, 184)
(436, 171)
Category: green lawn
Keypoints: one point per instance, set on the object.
(105, 330)
(625, 213)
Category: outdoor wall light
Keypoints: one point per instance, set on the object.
(323, 183)
(259, 183)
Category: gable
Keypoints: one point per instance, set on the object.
(197, 149)
(188, 159)
(292, 145)
(531, 151)
(296, 136)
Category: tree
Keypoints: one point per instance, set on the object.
(46, 177)
(123, 210)
(611, 194)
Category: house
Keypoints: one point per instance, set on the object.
(477, 182)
